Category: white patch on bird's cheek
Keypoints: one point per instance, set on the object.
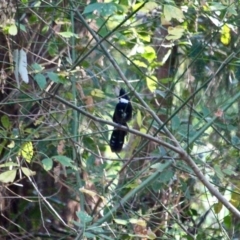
(123, 100)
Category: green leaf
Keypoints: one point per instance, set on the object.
(151, 83)
(175, 123)
(235, 140)
(229, 171)
(54, 77)
(37, 67)
(140, 63)
(84, 217)
(22, 27)
(9, 164)
(149, 54)
(166, 56)
(218, 207)
(97, 93)
(228, 222)
(68, 34)
(5, 122)
(151, 234)
(160, 166)
(89, 235)
(65, 161)
(120, 221)
(41, 80)
(139, 118)
(148, 6)
(166, 176)
(8, 176)
(225, 35)
(26, 151)
(217, 6)
(175, 33)
(27, 172)
(103, 8)
(235, 199)
(171, 12)
(47, 164)
(12, 30)
(218, 171)
(92, 7)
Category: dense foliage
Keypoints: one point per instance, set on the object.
(62, 64)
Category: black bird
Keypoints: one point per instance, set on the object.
(122, 114)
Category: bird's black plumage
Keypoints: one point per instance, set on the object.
(122, 114)
(117, 140)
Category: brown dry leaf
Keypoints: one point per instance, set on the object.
(88, 192)
(93, 194)
(89, 102)
(57, 28)
(57, 172)
(151, 234)
(60, 147)
(140, 230)
(219, 113)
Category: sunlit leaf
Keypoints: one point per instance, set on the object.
(26, 151)
(234, 199)
(11, 144)
(166, 56)
(171, 12)
(151, 83)
(139, 222)
(216, 6)
(9, 164)
(20, 59)
(92, 194)
(12, 30)
(120, 221)
(8, 176)
(27, 172)
(151, 234)
(232, 10)
(139, 118)
(140, 63)
(97, 93)
(149, 6)
(149, 53)
(143, 130)
(88, 192)
(23, 66)
(225, 35)
(175, 33)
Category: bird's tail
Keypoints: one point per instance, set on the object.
(117, 139)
